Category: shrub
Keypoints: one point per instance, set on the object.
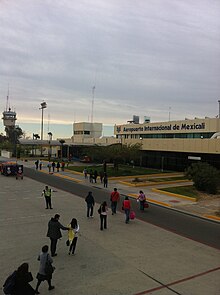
(205, 177)
(136, 179)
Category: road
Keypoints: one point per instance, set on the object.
(192, 227)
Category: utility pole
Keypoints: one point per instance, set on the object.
(43, 106)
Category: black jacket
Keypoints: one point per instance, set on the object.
(54, 229)
(90, 200)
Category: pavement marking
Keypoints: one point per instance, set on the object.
(212, 217)
(62, 176)
(68, 177)
(175, 282)
(152, 183)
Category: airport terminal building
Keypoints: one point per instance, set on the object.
(174, 145)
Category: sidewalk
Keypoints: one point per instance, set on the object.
(205, 209)
(125, 259)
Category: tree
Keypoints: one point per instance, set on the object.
(2, 138)
(14, 134)
(205, 177)
(115, 153)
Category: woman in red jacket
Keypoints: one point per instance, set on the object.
(127, 209)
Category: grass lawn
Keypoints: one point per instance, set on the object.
(123, 170)
(188, 191)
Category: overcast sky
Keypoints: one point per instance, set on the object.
(144, 57)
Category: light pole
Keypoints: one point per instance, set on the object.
(43, 106)
(50, 150)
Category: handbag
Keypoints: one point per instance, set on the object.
(132, 215)
(146, 205)
(67, 243)
(49, 268)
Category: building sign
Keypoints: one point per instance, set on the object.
(171, 127)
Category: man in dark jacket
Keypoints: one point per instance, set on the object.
(54, 232)
(90, 204)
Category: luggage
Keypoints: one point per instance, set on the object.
(132, 215)
(146, 205)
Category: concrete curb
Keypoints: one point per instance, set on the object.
(135, 196)
(173, 195)
(139, 184)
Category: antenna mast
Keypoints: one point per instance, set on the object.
(7, 101)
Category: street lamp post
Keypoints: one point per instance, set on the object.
(43, 106)
(50, 149)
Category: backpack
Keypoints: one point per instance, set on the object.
(9, 284)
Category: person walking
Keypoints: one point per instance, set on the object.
(36, 164)
(91, 177)
(114, 200)
(101, 175)
(49, 167)
(73, 235)
(95, 176)
(54, 233)
(85, 172)
(62, 165)
(127, 208)
(40, 164)
(47, 193)
(142, 200)
(105, 180)
(43, 257)
(53, 166)
(58, 166)
(90, 204)
(103, 210)
(18, 282)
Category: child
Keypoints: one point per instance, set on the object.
(73, 235)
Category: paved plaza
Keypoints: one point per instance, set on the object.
(126, 259)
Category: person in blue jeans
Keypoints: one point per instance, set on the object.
(90, 204)
(127, 209)
(142, 200)
(103, 210)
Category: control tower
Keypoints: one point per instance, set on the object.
(9, 118)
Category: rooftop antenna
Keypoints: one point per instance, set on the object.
(7, 101)
(93, 96)
(169, 112)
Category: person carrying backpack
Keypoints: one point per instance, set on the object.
(18, 282)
